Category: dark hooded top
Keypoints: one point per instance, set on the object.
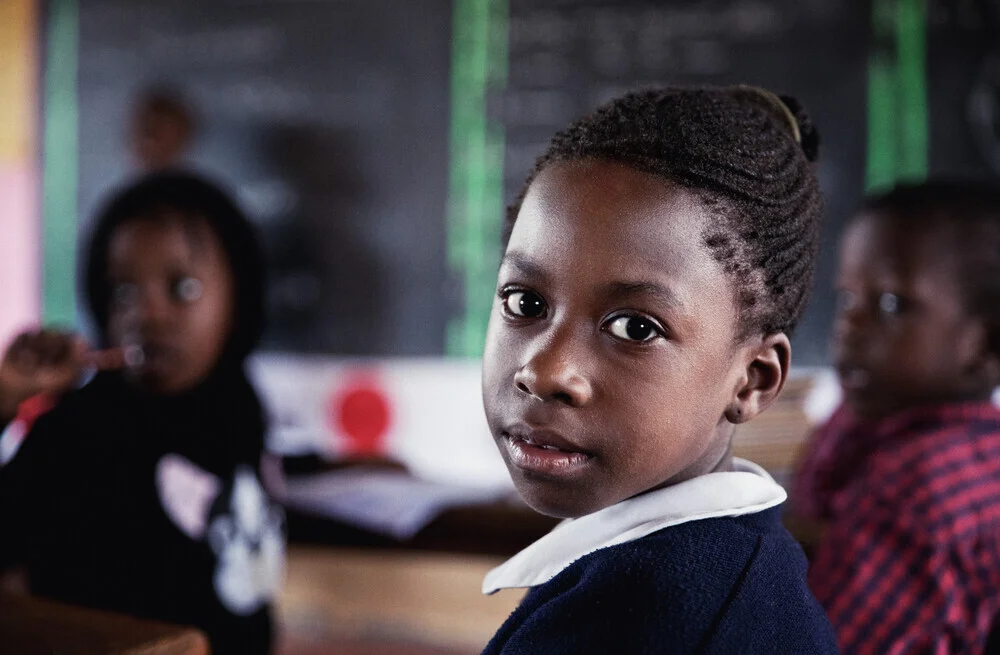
(151, 505)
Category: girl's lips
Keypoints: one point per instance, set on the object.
(149, 358)
(538, 454)
(134, 356)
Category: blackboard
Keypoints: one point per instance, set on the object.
(331, 119)
(568, 56)
(328, 120)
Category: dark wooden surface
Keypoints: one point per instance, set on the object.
(31, 626)
(491, 529)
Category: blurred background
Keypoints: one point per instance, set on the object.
(375, 144)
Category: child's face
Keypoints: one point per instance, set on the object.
(611, 352)
(902, 336)
(172, 296)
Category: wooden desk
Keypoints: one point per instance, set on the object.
(426, 599)
(30, 626)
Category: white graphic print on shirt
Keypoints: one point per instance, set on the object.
(240, 524)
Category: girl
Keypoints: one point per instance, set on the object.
(657, 260)
(139, 492)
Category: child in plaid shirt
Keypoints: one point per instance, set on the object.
(905, 477)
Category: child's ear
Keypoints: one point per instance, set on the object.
(977, 353)
(763, 377)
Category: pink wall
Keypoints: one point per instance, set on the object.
(20, 233)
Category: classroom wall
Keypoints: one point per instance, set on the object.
(20, 247)
(376, 143)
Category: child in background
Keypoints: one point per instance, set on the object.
(660, 255)
(906, 474)
(162, 129)
(139, 492)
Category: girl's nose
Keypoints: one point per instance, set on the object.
(152, 309)
(554, 372)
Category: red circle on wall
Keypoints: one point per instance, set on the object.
(361, 411)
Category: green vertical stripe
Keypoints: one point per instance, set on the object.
(59, 151)
(913, 118)
(880, 163)
(475, 191)
(880, 170)
(898, 127)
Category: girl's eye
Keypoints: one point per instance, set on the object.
(124, 295)
(890, 303)
(525, 304)
(634, 328)
(188, 289)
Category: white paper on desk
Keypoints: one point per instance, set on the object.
(387, 502)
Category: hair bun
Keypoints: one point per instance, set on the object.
(807, 129)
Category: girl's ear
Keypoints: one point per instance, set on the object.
(763, 377)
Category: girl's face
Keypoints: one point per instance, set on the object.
(902, 336)
(611, 356)
(172, 301)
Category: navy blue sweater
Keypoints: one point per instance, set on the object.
(724, 585)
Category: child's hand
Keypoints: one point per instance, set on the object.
(46, 361)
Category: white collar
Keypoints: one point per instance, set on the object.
(746, 489)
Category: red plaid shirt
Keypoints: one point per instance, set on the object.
(910, 560)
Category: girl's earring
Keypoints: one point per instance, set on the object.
(734, 413)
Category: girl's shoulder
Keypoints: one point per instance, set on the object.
(698, 559)
(677, 584)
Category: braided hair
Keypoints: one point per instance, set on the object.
(971, 211)
(747, 155)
